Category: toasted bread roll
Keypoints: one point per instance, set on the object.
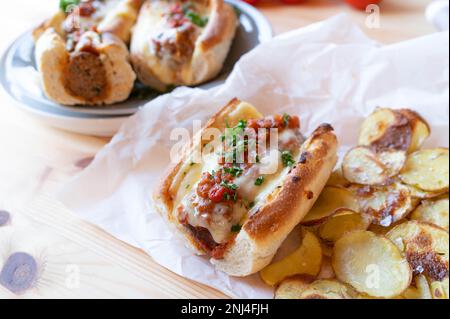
(81, 52)
(95, 76)
(234, 211)
(121, 19)
(181, 43)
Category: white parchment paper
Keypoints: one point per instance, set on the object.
(327, 72)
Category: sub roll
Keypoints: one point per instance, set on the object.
(238, 212)
(82, 54)
(182, 42)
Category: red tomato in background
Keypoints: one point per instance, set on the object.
(252, 2)
(361, 4)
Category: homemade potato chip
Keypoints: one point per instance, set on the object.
(423, 287)
(292, 288)
(433, 211)
(439, 289)
(393, 161)
(420, 129)
(328, 289)
(300, 288)
(306, 260)
(425, 246)
(386, 129)
(361, 166)
(427, 170)
(330, 200)
(421, 290)
(421, 194)
(372, 264)
(343, 222)
(386, 205)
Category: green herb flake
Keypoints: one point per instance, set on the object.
(286, 119)
(234, 171)
(233, 187)
(287, 158)
(259, 181)
(226, 197)
(242, 124)
(196, 19)
(64, 5)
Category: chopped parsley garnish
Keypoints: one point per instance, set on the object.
(259, 181)
(226, 197)
(234, 171)
(233, 187)
(64, 5)
(236, 142)
(236, 228)
(196, 18)
(242, 124)
(288, 160)
(286, 119)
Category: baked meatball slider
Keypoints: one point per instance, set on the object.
(238, 205)
(81, 52)
(182, 42)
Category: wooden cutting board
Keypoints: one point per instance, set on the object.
(78, 260)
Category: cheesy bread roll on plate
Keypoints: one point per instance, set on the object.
(239, 203)
(182, 42)
(81, 52)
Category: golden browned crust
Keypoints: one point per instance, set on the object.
(121, 25)
(54, 22)
(199, 55)
(223, 21)
(284, 208)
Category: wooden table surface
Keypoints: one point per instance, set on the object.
(76, 259)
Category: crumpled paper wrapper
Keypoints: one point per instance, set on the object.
(327, 72)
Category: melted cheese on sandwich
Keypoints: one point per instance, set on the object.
(229, 191)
